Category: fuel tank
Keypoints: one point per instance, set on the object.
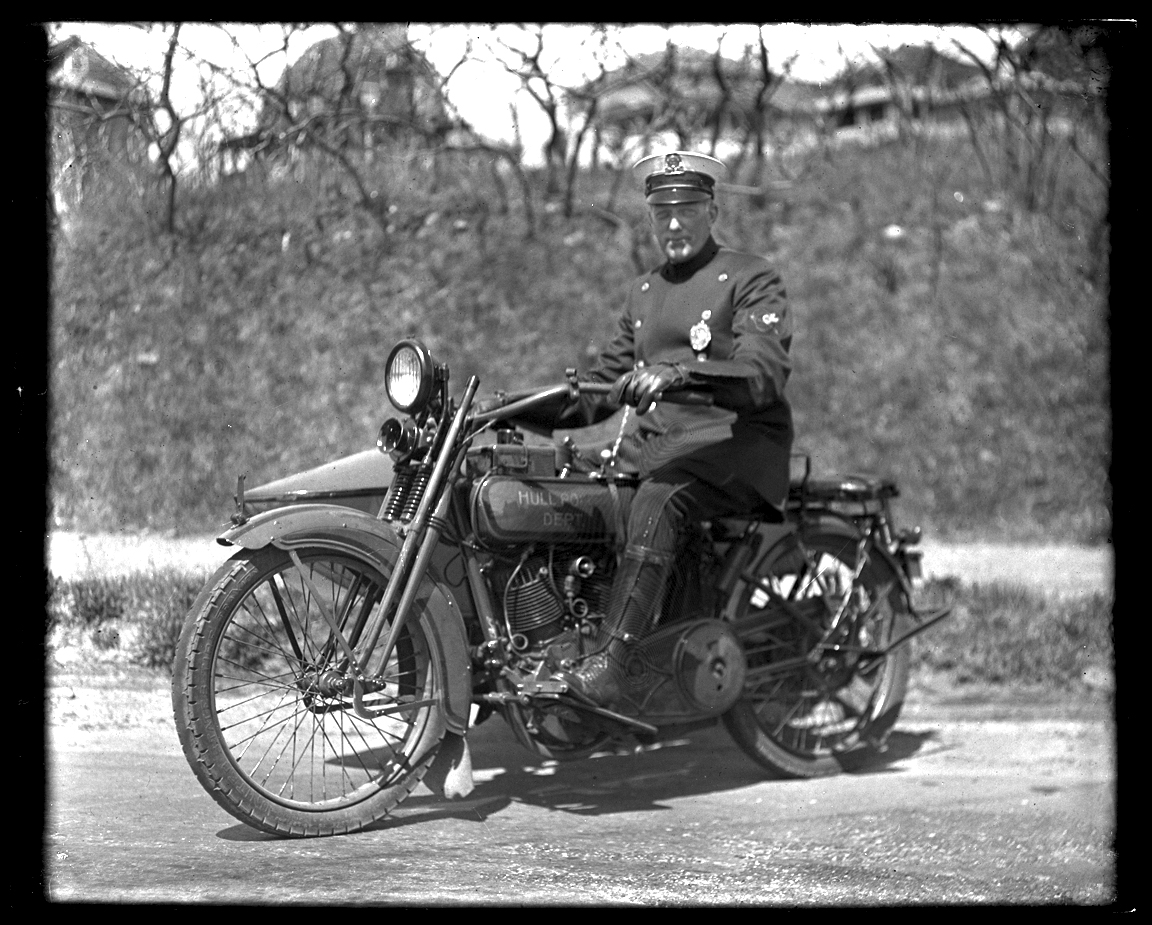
(507, 509)
(360, 481)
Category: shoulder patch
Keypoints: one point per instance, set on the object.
(766, 321)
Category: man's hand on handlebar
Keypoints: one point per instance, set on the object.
(642, 388)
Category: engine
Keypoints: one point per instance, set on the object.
(555, 589)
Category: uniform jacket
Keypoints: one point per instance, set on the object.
(739, 300)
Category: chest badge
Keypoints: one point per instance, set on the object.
(700, 335)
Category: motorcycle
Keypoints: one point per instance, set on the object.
(379, 607)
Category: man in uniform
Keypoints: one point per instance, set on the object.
(710, 320)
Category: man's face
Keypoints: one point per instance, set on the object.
(682, 229)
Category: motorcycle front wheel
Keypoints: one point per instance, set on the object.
(811, 699)
(263, 699)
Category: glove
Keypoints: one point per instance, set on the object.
(644, 387)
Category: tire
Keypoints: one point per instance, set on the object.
(264, 722)
(814, 720)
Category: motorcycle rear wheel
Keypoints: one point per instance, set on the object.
(806, 720)
(264, 712)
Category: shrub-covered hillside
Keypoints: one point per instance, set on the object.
(944, 335)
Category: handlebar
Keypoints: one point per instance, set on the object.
(520, 402)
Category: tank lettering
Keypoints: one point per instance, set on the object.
(540, 498)
(563, 519)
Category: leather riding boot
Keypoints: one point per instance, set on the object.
(637, 594)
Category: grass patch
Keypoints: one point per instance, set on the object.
(969, 359)
(1003, 633)
(140, 614)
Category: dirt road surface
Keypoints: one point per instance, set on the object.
(973, 804)
(981, 799)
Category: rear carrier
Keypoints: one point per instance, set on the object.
(856, 496)
(863, 493)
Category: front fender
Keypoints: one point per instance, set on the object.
(349, 531)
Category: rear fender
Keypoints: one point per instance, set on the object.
(826, 524)
(349, 531)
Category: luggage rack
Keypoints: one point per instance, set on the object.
(869, 492)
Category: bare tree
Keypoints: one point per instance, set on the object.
(1046, 92)
(525, 61)
(174, 127)
(365, 90)
(168, 138)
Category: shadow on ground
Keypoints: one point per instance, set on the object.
(706, 762)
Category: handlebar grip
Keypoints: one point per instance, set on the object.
(679, 397)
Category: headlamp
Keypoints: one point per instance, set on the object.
(409, 376)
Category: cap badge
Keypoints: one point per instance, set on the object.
(673, 164)
(700, 335)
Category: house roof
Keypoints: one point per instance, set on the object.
(689, 75)
(74, 66)
(916, 65)
(363, 64)
(1068, 53)
(367, 55)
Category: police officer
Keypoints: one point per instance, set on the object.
(710, 320)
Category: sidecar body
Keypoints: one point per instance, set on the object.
(359, 481)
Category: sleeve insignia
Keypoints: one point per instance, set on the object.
(767, 322)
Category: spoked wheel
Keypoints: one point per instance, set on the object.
(809, 623)
(263, 696)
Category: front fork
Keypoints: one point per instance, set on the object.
(415, 554)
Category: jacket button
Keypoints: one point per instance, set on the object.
(723, 277)
(637, 323)
(644, 287)
(639, 364)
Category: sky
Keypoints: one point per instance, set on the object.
(481, 90)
